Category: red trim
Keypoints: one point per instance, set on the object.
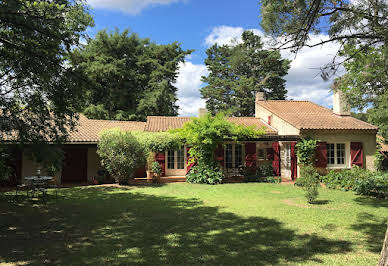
(269, 120)
(219, 154)
(276, 158)
(160, 157)
(294, 162)
(356, 154)
(250, 154)
(321, 155)
(189, 166)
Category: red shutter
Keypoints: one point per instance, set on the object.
(189, 165)
(250, 154)
(294, 162)
(160, 157)
(321, 155)
(219, 154)
(356, 154)
(276, 158)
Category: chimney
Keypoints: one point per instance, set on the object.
(260, 96)
(202, 112)
(340, 104)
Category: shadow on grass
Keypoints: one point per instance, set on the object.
(371, 201)
(111, 226)
(373, 229)
(321, 202)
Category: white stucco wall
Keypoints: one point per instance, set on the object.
(367, 138)
(283, 127)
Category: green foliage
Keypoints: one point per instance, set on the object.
(362, 181)
(365, 83)
(156, 168)
(158, 141)
(120, 153)
(5, 169)
(50, 157)
(309, 181)
(263, 173)
(209, 173)
(378, 162)
(238, 71)
(39, 92)
(129, 77)
(305, 151)
(293, 23)
(204, 134)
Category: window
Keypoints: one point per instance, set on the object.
(336, 153)
(181, 158)
(233, 155)
(261, 154)
(170, 159)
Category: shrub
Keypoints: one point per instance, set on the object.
(120, 154)
(374, 185)
(156, 168)
(205, 174)
(309, 181)
(263, 173)
(305, 151)
(5, 169)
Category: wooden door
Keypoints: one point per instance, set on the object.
(75, 165)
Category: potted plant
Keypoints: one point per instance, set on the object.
(150, 160)
(157, 170)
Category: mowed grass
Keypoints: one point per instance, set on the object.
(186, 224)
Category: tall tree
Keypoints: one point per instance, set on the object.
(39, 91)
(238, 71)
(363, 23)
(129, 77)
(365, 83)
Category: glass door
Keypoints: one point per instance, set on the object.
(176, 162)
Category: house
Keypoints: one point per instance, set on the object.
(343, 141)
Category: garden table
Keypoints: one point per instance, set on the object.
(39, 183)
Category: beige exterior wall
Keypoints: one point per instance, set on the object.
(29, 168)
(367, 138)
(279, 124)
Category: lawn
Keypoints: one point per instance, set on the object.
(192, 224)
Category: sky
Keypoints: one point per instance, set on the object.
(198, 24)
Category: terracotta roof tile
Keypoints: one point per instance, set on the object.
(88, 130)
(164, 123)
(308, 115)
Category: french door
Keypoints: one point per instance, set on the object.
(176, 162)
(287, 160)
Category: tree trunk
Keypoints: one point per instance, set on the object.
(384, 252)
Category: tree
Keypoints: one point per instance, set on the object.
(129, 77)
(365, 83)
(363, 22)
(39, 91)
(238, 71)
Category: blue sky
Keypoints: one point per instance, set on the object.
(197, 24)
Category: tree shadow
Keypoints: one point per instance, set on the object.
(373, 228)
(111, 226)
(373, 202)
(321, 202)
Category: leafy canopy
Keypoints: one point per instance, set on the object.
(130, 77)
(39, 91)
(238, 71)
(204, 134)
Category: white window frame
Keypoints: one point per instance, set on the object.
(234, 154)
(336, 165)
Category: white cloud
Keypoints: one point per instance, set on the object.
(227, 35)
(132, 7)
(188, 84)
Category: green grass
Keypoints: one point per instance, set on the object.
(189, 224)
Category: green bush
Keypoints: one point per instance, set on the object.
(5, 169)
(309, 181)
(361, 181)
(263, 173)
(156, 168)
(205, 174)
(305, 151)
(120, 153)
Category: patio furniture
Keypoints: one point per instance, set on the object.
(38, 184)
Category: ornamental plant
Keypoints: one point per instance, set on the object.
(309, 181)
(203, 135)
(121, 153)
(305, 151)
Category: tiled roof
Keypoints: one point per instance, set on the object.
(308, 115)
(164, 123)
(88, 130)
